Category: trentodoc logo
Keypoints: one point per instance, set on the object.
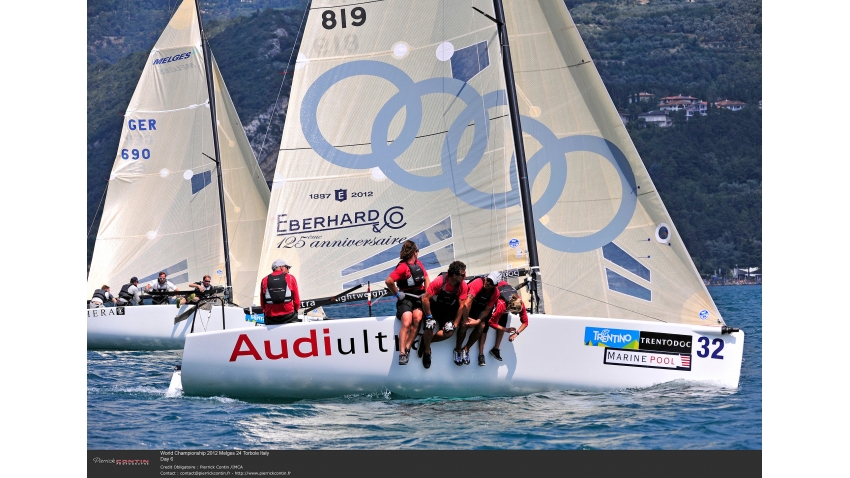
(637, 340)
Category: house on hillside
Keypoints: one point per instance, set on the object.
(659, 118)
(730, 105)
(678, 99)
(700, 107)
(642, 96)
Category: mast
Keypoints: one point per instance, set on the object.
(535, 288)
(211, 91)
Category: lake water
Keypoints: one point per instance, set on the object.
(129, 408)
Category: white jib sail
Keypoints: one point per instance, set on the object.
(162, 206)
(607, 245)
(397, 128)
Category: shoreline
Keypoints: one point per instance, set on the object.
(727, 285)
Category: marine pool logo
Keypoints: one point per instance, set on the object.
(614, 338)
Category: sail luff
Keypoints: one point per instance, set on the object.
(522, 170)
(208, 73)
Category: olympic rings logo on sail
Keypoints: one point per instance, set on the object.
(455, 170)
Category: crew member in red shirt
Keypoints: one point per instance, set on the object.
(279, 295)
(507, 301)
(445, 298)
(407, 283)
(480, 301)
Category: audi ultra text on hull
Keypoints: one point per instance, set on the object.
(333, 358)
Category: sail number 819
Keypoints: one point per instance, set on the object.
(135, 153)
(358, 15)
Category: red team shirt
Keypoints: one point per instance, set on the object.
(477, 286)
(501, 307)
(277, 310)
(402, 273)
(437, 284)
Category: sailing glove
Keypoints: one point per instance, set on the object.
(449, 327)
(400, 295)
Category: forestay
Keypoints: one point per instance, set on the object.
(162, 207)
(607, 245)
(396, 129)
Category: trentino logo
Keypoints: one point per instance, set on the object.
(614, 338)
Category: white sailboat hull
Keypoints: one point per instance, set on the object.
(152, 327)
(549, 355)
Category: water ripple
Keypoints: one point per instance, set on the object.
(129, 408)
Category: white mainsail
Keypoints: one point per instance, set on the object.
(392, 113)
(396, 129)
(162, 206)
(607, 245)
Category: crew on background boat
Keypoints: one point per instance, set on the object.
(407, 282)
(508, 300)
(101, 298)
(161, 284)
(279, 295)
(130, 294)
(444, 305)
(480, 301)
(203, 289)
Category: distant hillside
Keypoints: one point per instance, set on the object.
(117, 28)
(709, 49)
(708, 170)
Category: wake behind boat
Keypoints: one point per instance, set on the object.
(434, 134)
(179, 200)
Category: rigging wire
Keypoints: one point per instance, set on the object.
(96, 211)
(604, 302)
(286, 73)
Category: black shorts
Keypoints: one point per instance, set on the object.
(407, 305)
(443, 314)
(484, 313)
(503, 321)
(281, 319)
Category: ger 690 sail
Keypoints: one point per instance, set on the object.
(402, 124)
(172, 185)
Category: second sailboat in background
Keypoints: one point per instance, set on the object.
(183, 197)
